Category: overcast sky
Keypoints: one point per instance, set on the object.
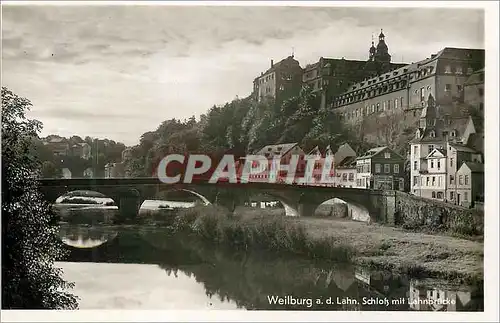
(118, 71)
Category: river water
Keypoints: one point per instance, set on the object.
(142, 267)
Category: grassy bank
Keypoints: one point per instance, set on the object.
(334, 239)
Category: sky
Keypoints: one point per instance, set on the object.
(118, 71)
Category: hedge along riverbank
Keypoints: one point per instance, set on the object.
(337, 240)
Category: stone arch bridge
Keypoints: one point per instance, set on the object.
(301, 200)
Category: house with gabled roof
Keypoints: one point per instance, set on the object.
(282, 152)
(380, 168)
(314, 178)
(452, 136)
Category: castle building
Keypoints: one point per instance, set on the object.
(474, 90)
(405, 90)
(281, 81)
(332, 77)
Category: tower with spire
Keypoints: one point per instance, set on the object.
(373, 51)
(381, 52)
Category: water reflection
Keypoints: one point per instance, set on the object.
(131, 272)
(85, 237)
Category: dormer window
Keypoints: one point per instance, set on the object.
(432, 134)
(417, 133)
(453, 133)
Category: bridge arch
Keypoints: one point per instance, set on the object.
(193, 192)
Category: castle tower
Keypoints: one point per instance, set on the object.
(373, 51)
(382, 54)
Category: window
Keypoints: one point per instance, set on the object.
(427, 179)
(387, 155)
(460, 179)
(433, 180)
(433, 195)
(373, 108)
(384, 106)
(432, 164)
(458, 70)
(401, 99)
(415, 150)
(438, 164)
(466, 196)
(415, 165)
(447, 69)
(396, 103)
(344, 177)
(389, 104)
(396, 169)
(440, 181)
(451, 162)
(440, 195)
(432, 134)
(378, 107)
(447, 87)
(415, 180)
(387, 168)
(451, 179)
(452, 196)
(459, 87)
(466, 179)
(351, 176)
(422, 94)
(377, 168)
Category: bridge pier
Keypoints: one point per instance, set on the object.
(306, 209)
(129, 203)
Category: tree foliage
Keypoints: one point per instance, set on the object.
(30, 242)
(245, 125)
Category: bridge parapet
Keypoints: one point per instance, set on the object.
(301, 199)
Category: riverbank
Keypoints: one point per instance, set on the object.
(371, 245)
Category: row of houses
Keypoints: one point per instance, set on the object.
(378, 168)
(449, 169)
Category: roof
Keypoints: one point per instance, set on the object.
(375, 151)
(476, 142)
(372, 152)
(442, 151)
(281, 63)
(428, 63)
(347, 162)
(463, 148)
(276, 150)
(474, 167)
(444, 126)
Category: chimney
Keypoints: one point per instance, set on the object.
(272, 63)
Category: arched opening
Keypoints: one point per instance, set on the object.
(167, 203)
(265, 204)
(342, 208)
(85, 207)
(83, 237)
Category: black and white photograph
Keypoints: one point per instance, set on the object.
(322, 158)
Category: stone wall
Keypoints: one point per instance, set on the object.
(416, 213)
(337, 210)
